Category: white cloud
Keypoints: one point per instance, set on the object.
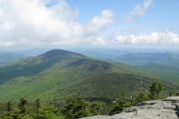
(139, 10)
(99, 41)
(32, 23)
(99, 22)
(155, 38)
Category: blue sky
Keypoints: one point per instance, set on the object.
(163, 14)
(96, 23)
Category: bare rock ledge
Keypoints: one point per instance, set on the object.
(155, 109)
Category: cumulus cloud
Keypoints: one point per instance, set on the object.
(155, 38)
(42, 22)
(139, 10)
(48, 23)
(99, 22)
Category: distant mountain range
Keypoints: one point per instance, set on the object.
(161, 63)
(164, 65)
(168, 59)
(61, 73)
(9, 57)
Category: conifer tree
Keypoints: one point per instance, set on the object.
(9, 106)
(22, 105)
(38, 105)
(155, 90)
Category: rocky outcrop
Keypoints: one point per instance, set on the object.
(156, 109)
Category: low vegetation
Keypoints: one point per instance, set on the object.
(75, 107)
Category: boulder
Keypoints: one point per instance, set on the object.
(174, 99)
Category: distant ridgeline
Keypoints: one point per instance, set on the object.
(59, 74)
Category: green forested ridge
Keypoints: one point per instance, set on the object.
(74, 107)
(60, 73)
(162, 64)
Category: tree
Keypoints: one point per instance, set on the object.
(120, 105)
(96, 108)
(48, 112)
(142, 96)
(38, 105)
(76, 108)
(22, 105)
(155, 90)
(9, 106)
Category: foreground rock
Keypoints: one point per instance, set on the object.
(157, 109)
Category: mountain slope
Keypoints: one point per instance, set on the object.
(60, 73)
(35, 65)
(163, 65)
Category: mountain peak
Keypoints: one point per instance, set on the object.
(59, 52)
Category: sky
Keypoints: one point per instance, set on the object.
(94, 23)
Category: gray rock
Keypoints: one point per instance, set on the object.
(156, 109)
(174, 99)
(152, 102)
(97, 117)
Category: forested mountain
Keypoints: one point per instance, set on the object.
(163, 65)
(159, 62)
(60, 73)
